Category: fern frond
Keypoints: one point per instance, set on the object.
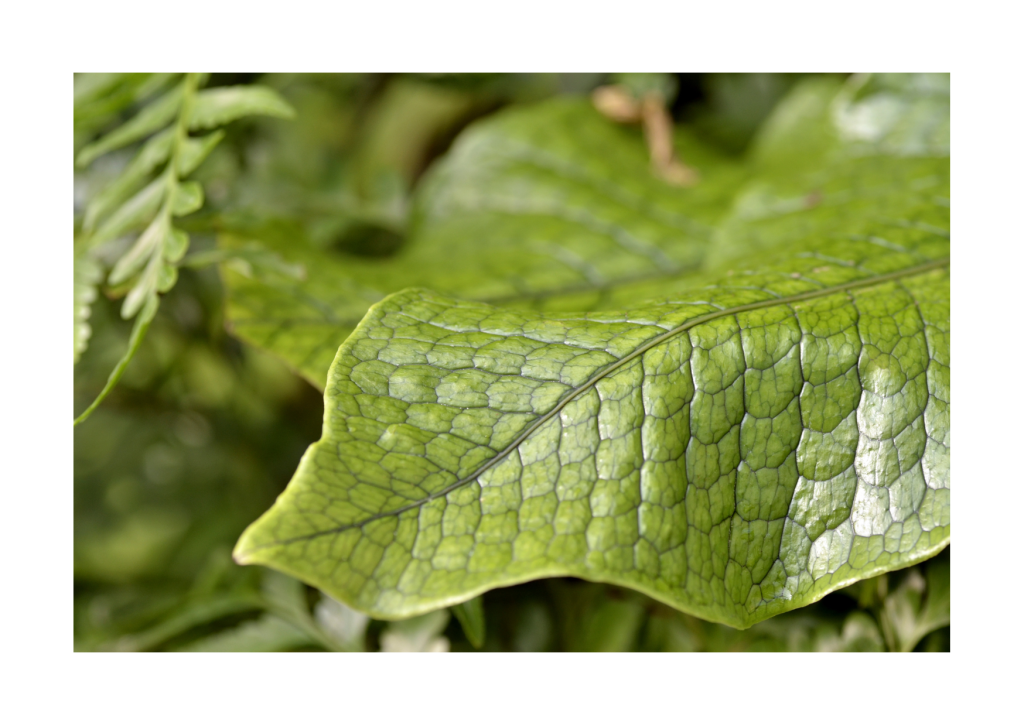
(152, 190)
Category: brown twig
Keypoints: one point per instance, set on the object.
(618, 104)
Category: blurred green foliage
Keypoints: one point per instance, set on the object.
(203, 432)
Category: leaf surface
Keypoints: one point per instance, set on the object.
(219, 106)
(549, 207)
(554, 207)
(736, 451)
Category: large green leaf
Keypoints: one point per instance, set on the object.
(736, 451)
(551, 206)
(767, 432)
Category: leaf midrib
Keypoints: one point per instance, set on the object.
(603, 373)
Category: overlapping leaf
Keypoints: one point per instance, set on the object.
(551, 206)
(736, 450)
(554, 207)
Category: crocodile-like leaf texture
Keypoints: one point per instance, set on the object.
(737, 451)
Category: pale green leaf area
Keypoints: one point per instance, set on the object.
(735, 452)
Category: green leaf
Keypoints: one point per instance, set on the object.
(195, 151)
(218, 106)
(188, 198)
(146, 246)
(903, 114)
(152, 154)
(574, 219)
(537, 185)
(301, 320)
(421, 634)
(150, 119)
(737, 451)
(188, 616)
(611, 626)
(918, 605)
(175, 245)
(471, 616)
(133, 214)
(267, 634)
(142, 323)
(860, 634)
(99, 96)
(790, 437)
(88, 275)
(345, 626)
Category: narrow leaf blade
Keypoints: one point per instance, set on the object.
(150, 119)
(142, 323)
(219, 106)
(150, 156)
(470, 615)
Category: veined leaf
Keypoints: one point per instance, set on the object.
(737, 451)
(565, 200)
(218, 106)
(302, 321)
(555, 208)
